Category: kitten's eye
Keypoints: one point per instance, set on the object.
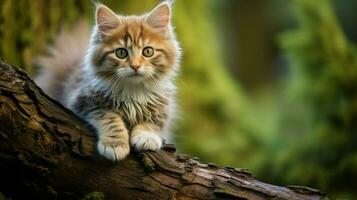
(121, 53)
(148, 51)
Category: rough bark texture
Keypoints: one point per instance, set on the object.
(46, 152)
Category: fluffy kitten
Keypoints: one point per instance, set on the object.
(123, 85)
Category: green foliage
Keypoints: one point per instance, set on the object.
(211, 101)
(27, 26)
(321, 111)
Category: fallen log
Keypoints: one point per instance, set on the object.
(47, 152)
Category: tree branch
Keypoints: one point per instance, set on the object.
(47, 152)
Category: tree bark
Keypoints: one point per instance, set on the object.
(47, 152)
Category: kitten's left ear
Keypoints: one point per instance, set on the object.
(160, 17)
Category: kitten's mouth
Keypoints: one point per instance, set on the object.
(136, 75)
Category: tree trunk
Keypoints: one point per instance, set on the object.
(47, 152)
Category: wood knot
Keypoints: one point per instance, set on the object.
(304, 190)
(5, 67)
(148, 163)
(182, 157)
(242, 170)
(188, 168)
(192, 162)
(212, 165)
(169, 148)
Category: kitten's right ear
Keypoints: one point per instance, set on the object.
(106, 20)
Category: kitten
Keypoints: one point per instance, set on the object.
(125, 85)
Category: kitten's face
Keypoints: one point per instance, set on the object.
(135, 48)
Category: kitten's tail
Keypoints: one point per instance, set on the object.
(65, 55)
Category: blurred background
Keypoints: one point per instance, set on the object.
(268, 85)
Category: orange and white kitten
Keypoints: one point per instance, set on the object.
(123, 85)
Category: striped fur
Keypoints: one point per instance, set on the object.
(124, 105)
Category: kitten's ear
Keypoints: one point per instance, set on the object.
(160, 17)
(106, 20)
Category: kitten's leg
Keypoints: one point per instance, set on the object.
(113, 136)
(146, 136)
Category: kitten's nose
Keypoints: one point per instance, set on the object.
(135, 67)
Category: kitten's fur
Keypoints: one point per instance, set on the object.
(128, 100)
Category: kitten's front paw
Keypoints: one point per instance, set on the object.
(146, 141)
(113, 150)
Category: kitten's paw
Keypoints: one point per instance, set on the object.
(146, 141)
(112, 150)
